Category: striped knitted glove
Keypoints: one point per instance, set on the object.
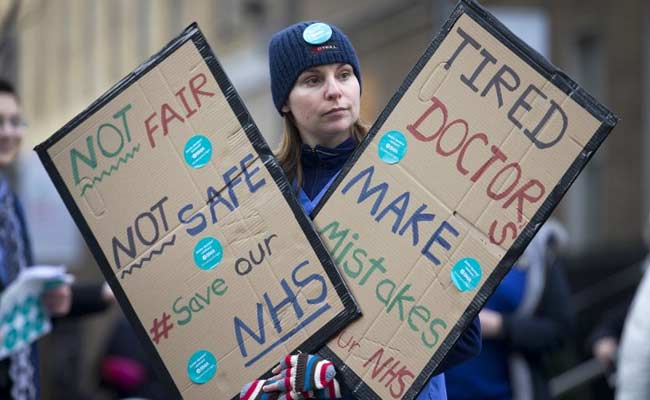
(301, 376)
(303, 373)
(255, 391)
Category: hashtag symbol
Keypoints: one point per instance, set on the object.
(161, 328)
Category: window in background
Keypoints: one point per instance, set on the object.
(585, 201)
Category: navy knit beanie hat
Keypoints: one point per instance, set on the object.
(302, 46)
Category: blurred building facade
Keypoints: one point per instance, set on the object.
(71, 51)
(66, 53)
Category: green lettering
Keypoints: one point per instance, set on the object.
(90, 160)
(122, 113)
(334, 235)
(359, 262)
(216, 284)
(425, 315)
(356, 272)
(374, 264)
(182, 309)
(195, 306)
(436, 336)
(105, 152)
(401, 297)
(205, 299)
(386, 299)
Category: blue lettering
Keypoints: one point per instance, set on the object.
(275, 310)
(248, 174)
(198, 228)
(438, 238)
(366, 191)
(216, 198)
(240, 325)
(397, 208)
(231, 183)
(290, 299)
(310, 278)
(130, 251)
(416, 218)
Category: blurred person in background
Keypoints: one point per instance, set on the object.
(604, 340)
(19, 375)
(633, 377)
(125, 370)
(528, 316)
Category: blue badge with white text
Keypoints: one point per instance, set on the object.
(466, 274)
(198, 151)
(202, 366)
(317, 33)
(208, 253)
(392, 147)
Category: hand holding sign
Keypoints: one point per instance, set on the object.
(301, 376)
(23, 317)
(57, 300)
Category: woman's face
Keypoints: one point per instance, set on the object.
(324, 103)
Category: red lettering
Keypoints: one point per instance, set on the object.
(522, 194)
(167, 114)
(390, 371)
(150, 129)
(196, 88)
(459, 161)
(439, 148)
(400, 374)
(504, 231)
(414, 128)
(189, 110)
(378, 354)
(349, 345)
(504, 193)
(504, 184)
(497, 154)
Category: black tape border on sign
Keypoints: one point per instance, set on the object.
(560, 80)
(193, 33)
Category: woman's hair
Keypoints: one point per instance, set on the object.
(289, 152)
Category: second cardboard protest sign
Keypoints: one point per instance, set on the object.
(457, 174)
(194, 225)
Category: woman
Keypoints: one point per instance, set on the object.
(316, 87)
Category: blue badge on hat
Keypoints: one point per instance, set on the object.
(317, 33)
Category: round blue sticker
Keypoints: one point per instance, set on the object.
(466, 274)
(317, 33)
(198, 151)
(392, 147)
(208, 253)
(202, 366)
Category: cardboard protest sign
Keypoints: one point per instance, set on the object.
(460, 170)
(194, 225)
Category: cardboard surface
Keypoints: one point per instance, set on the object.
(194, 225)
(458, 173)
